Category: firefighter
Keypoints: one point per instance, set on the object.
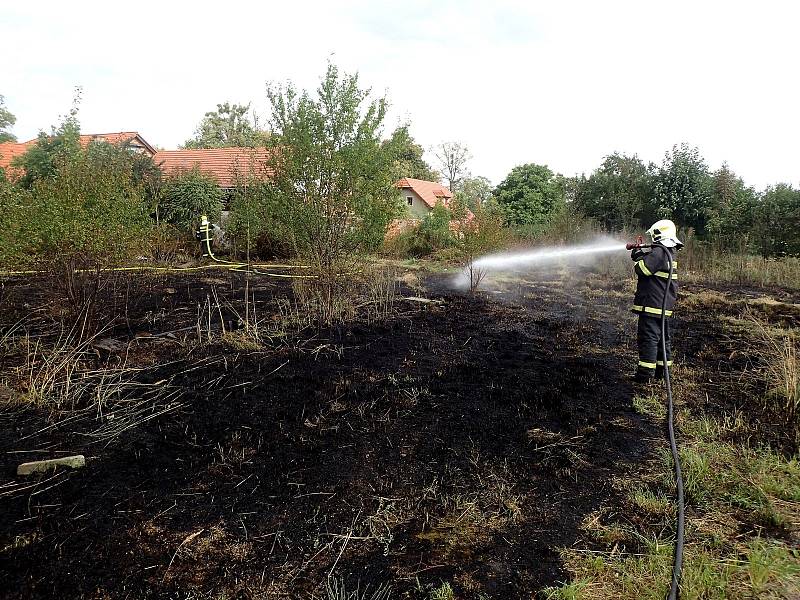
(205, 236)
(652, 271)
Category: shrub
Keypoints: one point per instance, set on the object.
(434, 232)
(187, 195)
(89, 215)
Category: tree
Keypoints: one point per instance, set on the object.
(41, 160)
(530, 195)
(474, 192)
(619, 194)
(7, 120)
(684, 188)
(332, 192)
(730, 213)
(189, 194)
(409, 161)
(453, 158)
(777, 221)
(481, 233)
(228, 126)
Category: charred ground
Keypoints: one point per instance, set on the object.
(461, 439)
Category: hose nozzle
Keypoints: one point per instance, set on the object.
(639, 243)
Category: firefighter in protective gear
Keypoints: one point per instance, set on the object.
(653, 281)
(205, 236)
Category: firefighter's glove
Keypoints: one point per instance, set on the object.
(638, 254)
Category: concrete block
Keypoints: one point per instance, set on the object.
(40, 466)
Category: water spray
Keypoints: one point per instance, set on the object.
(543, 255)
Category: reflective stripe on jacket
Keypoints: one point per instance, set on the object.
(652, 270)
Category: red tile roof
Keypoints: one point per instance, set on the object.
(222, 163)
(430, 191)
(10, 150)
(120, 137)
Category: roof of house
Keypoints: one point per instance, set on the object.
(221, 163)
(10, 150)
(120, 137)
(430, 191)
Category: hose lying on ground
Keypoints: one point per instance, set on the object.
(677, 561)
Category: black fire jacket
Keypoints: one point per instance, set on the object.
(652, 270)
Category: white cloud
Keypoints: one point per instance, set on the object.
(559, 83)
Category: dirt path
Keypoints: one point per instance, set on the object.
(464, 440)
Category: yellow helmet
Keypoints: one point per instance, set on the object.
(665, 233)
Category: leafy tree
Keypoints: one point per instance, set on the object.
(453, 158)
(7, 121)
(684, 188)
(474, 192)
(409, 161)
(187, 195)
(530, 195)
(248, 222)
(730, 214)
(228, 126)
(619, 194)
(332, 192)
(41, 160)
(777, 221)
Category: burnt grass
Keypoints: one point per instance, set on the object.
(463, 439)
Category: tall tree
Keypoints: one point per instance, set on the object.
(409, 161)
(777, 221)
(7, 120)
(619, 194)
(333, 186)
(229, 125)
(530, 195)
(43, 159)
(475, 192)
(730, 214)
(684, 188)
(452, 158)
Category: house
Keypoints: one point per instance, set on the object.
(11, 150)
(131, 139)
(421, 196)
(223, 164)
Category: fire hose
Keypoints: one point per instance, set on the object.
(677, 561)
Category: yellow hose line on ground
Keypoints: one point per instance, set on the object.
(238, 267)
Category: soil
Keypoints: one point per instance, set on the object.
(461, 439)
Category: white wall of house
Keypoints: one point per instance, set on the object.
(417, 208)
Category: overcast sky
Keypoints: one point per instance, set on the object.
(561, 83)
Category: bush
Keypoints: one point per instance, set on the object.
(91, 211)
(189, 194)
(90, 214)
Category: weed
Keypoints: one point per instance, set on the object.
(648, 405)
(652, 502)
(335, 589)
(443, 592)
(568, 591)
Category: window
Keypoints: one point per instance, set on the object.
(410, 200)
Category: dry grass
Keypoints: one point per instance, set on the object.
(777, 351)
